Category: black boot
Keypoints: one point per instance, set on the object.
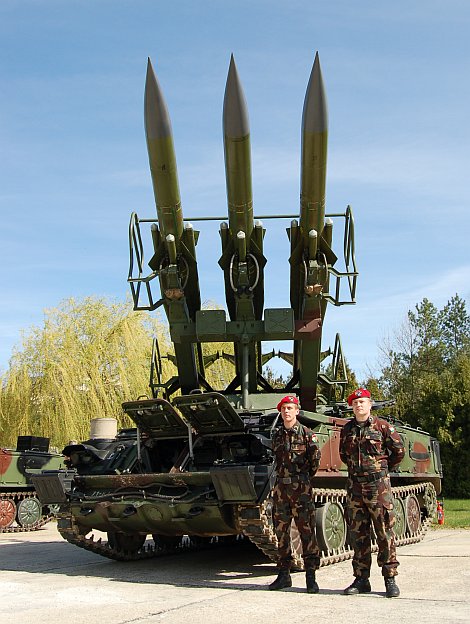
(312, 585)
(359, 586)
(283, 580)
(391, 588)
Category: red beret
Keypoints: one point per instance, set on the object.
(287, 399)
(360, 393)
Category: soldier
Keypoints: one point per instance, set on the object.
(297, 456)
(370, 447)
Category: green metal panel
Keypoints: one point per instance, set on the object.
(234, 484)
(156, 417)
(211, 324)
(279, 323)
(209, 413)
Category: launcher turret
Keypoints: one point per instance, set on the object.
(242, 261)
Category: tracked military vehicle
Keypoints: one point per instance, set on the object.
(198, 467)
(20, 508)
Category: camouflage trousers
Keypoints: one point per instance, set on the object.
(295, 502)
(371, 504)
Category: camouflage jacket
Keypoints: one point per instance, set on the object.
(297, 452)
(374, 447)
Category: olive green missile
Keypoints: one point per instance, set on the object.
(311, 237)
(314, 153)
(162, 157)
(242, 241)
(237, 153)
(174, 241)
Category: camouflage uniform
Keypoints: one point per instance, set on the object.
(297, 459)
(369, 451)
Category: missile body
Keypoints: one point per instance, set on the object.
(162, 158)
(237, 155)
(314, 153)
(242, 241)
(164, 174)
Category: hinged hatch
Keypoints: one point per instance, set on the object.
(156, 417)
(209, 412)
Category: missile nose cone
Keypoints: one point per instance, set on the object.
(156, 117)
(235, 115)
(315, 112)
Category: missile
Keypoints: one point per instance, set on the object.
(314, 153)
(242, 240)
(313, 235)
(162, 157)
(237, 153)
(174, 241)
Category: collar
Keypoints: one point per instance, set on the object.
(370, 420)
(294, 429)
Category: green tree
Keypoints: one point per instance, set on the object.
(454, 322)
(427, 370)
(87, 358)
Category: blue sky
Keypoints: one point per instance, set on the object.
(74, 162)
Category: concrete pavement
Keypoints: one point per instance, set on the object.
(45, 580)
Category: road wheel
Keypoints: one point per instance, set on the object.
(400, 520)
(29, 512)
(413, 514)
(7, 512)
(331, 527)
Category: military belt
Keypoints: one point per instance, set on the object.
(289, 480)
(369, 478)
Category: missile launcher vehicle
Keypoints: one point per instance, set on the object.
(198, 467)
(20, 508)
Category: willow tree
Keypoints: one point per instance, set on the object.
(87, 357)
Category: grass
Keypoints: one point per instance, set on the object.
(456, 514)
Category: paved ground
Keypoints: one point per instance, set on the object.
(46, 580)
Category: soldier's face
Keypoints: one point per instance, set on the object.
(361, 408)
(289, 413)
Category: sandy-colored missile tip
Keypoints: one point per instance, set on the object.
(174, 293)
(240, 234)
(313, 289)
(170, 238)
(313, 234)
